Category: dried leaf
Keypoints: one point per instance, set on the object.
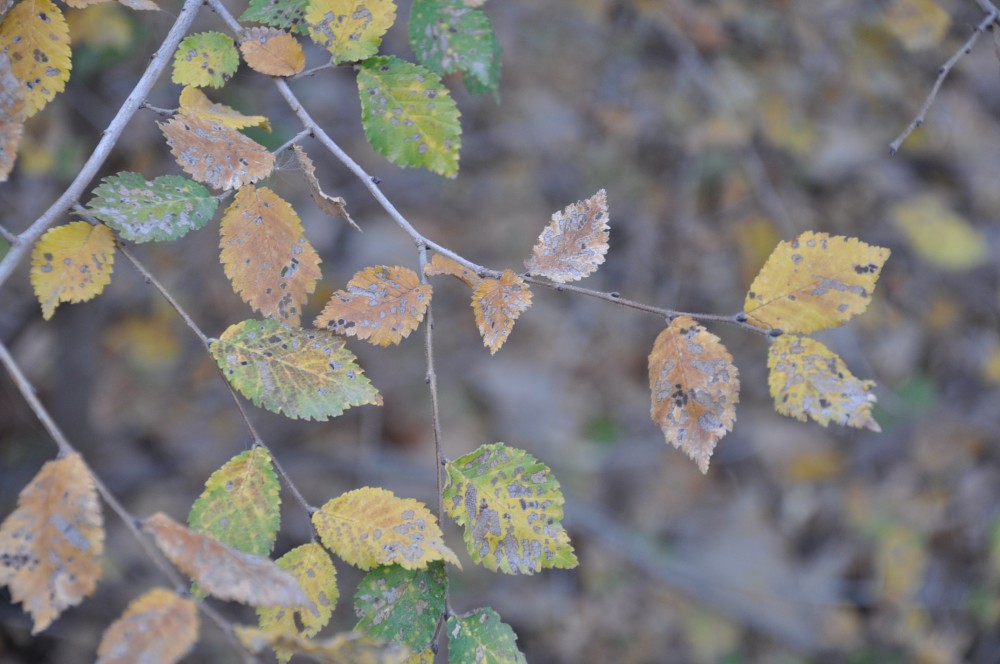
(71, 263)
(11, 116)
(497, 303)
(205, 58)
(807, 379)
(335, 206)
(573, 245)
(215, 154)
(35, 37)
(349, 648)
(195, 104)
(266, 255)
(480, 636)
(448, 36)
(371, 526)
(382, 305)
(284, 14)
(272, 51)
(223, 571)
(443, 265)
(350, 30)
(814, 282)
(157, 628)
(51, 545)
(938, 235)
(695, 387)
(401, 605)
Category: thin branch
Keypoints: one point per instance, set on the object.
(313, 71)
(7, 235)
(292, 141)
(165, 112)
(431, 380)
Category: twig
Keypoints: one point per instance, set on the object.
(165, 112)
(292, 141)
(7, 235)
(943, 72)
(432, 385)
(312, 71)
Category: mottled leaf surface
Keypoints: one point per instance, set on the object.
(497, 304)
(205, 59)
(480, 636)
(284, 14)
(195, 104)
(574, 243)
(158, 628)
(71, 263)
(272, 51)
(350, 30)
(449, 36)
(167, 208)
(215, 154)
(401, 605)
(12, 108)
(335, 206)
(348, 648)
(35, 37)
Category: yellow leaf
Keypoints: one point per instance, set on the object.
(35, 37)
(938, 235)
(272, 51)
(497, 303)
(382, 305)
(368, 527)
(72, 263)
(574, 243)
(695, 387)
(102, 27)
(335, 206)
(991, 367)
(814, 282)
(195, 104)
(443, 265)
(350, 30)
(807, 379)
(159, 627)
(215, 154)
(347, 648)
(266, 254)
(51, 545)
(917, 24)
(11, 116)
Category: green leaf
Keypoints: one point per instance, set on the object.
(305, 374)
(511, 508)
(480, 636)
(205, 58)
(241, 505)
(401, 605)
(285, 14)
(350, 30)
(408, 115)
(167, 208)
(448, 36)
(492, 83)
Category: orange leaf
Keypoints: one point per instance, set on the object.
(215, 154)
(266, 255)
(223, 571)
(382, 305)
(272, 51)
(51, 545)
(443, 265)
(695, 387)
(335, 206)
(11, 116)
(573, 245)
(159, 628)
(497, 303)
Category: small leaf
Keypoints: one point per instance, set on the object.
(223, 571)
(448, 36)
(51, 545)
(317, 576)
(917, 24)
(241, 505)
(272, 51)
(348, 648)
(196, 104)
(511, 508)
(814, 282)
(35, 36)
(71, 263)
(382, 305)
(443, 265)
(266, 255)
(938, 235)
(284, 14)
(167, 208)
(205, 58)
(335, 206)
(497, 303)
(480, 636)
(574, 243)
(408, 115)
(350, 30)
(215, 154)
(371, 526)
(303, 374)
(807, 379)
(158, 628)
(11, 116)
(695, 387)
(401, 605)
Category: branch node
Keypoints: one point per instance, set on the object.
(615, 294)
(775, 333)
(376, 180)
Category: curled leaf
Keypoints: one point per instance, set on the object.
(443, 265)
(195, 104)
(335, 206)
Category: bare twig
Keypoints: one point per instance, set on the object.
(431, 379)
(7, 235)
(312, 71)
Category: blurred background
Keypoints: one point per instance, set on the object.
(718, 128)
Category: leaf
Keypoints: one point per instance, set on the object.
(807, 379)
(51, 545)
(382, 305)
(317, 576)
(167, 208)
(348, 648)
(301, 373)
(335, 206)
(266, 255)
(223, 571)
(938, 235)
(917, 24)
(408, 115)
(371, 526)
(424, 657)
(11, 116)
(480, 636)
(35, 37)
(215, 154)
(401, 605)
(284, 14)
(158, 628)
(448, 36)
(141, 5)
(573, 245)
(443, 265)
(196, 104)
(814, 282)
(241, 503)
(272, 51)
(497, 303)
(695, 387)
(71, 263)
(350, 30)
(478, 86)
(511, 508)
(205, 58)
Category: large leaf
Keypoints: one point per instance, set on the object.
(301, 373)
(51, 545)
(158, 628)
(497, 304)
(35, 37)
(167, 208)
(195, 104)
(371, 526)
(401, 605)
(12, 107)
(511, 508)
(695, 387)
(71, 263)
(205, 58)
(284, 14)
(348, 648)
(215, 154)
(272, 51)
(480, 636)
(408, 115)
(449, 35)
(573, 245)
(350, 30)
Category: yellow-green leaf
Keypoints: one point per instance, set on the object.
(938, 235)
(35, 37)
(159, 628)
(402, 605)
(205, 58)
(371, 526)
(350, 30)
(72, 263)
(497, 304)
(195, 104)
(480, 636)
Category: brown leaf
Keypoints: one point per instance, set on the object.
(443, 265)
(11, 116)
(335, 206)
(272, 51)
(158, 628)
(573, 245)
(346, 648)
(497, 303)
(215, 154)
